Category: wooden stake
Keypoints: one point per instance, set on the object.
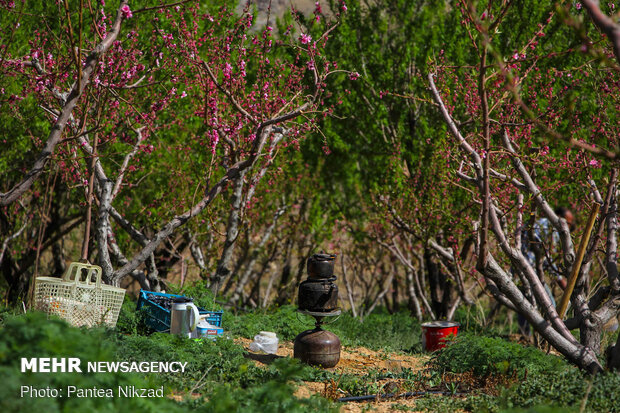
(572, 280)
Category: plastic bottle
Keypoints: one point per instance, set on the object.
(265, 341)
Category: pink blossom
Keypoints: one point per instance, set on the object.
(578, 6)
(183, 94)
(354, 76)
(310, 64)
(317, 11)
(126, 11)
(214, 140)
(227, 70)
(305, 38)
(594, 163)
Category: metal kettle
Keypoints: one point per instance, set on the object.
(184, 317)
(321, 266)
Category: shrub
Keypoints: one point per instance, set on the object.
(130, 321)
(199, 292)
(566, 389)
(274, 396)
(285, 321)
(488, 355)
(541, 409)
(217, 370)
(380, 330)
(33, 335)
(210, 362)
(546, 380)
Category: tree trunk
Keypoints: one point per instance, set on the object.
(232, 230)
(414, 303)
(590, 334)
(613, 355)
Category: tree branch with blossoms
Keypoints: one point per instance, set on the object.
(252, 132)
(550, 326)
(68, 105)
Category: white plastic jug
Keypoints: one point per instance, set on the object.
(265, 341)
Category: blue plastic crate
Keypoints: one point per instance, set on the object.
(158, 318)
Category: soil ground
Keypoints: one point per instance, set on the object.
(353, 360)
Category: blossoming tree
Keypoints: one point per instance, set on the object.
(181, 102)
(509, 116)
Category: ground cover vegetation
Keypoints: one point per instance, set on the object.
(475, 373)
(208, 148)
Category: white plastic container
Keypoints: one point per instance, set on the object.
(266, 342)
(206, 330)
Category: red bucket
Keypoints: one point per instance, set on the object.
(435, 333)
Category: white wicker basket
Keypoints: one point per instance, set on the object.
(79, 296)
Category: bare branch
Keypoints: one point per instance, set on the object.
(580, 355)
(558, 223)
(243, 280)
(163, 6)
(605, 23)
(133, 232)
(125, 164)
(5, 243)
(477, 162)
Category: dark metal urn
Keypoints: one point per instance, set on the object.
(318, 348)
(318, 295)
(318, 298)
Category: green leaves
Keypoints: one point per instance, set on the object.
(33, 335)
(490, 355)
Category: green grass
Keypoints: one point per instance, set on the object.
(221, 378)
(378, 331)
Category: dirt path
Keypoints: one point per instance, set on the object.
(357, 360)
(353, 360)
